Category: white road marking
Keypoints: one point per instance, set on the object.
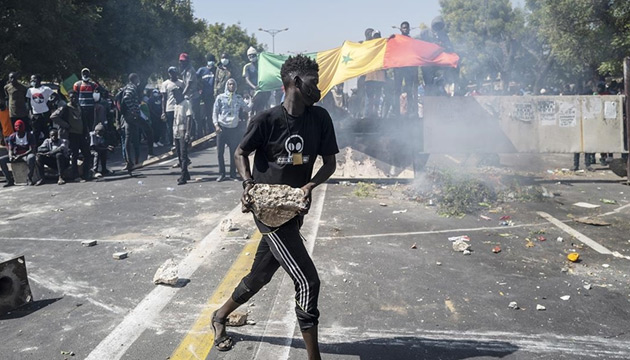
(284, 303)
(114, 346)
(506, 228)
(578, 235)
(615, 211)
(80, 240)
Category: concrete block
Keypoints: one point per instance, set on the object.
(120, 255)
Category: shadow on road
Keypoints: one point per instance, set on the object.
(28, 309)
(405, 347)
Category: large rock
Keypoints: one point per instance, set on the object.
(166, 274)
(274, 205)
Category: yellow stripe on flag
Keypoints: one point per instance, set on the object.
(349, 61)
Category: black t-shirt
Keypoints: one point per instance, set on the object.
(275, 143)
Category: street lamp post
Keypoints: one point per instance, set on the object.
(273, 33)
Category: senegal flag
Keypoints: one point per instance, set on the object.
(355, 59)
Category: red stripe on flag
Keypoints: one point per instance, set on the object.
(405, 51)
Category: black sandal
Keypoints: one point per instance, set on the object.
(225, 340)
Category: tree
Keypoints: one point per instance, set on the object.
(233, 40)
(487, 36)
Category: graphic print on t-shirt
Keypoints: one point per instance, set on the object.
(294, 145)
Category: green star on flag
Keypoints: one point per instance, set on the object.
(346, 59)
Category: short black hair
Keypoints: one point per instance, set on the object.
(133, 76)
(210, 57)
(404, 23)
(296, 66)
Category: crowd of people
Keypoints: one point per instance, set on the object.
(52, 132)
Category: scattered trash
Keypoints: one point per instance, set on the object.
(546, 193)
(586, 205)
(506, 223)
(461, 246)
(461, 237)
(170, 189)
(71, 353)
(414, 246)
(592, 221)
(605, 266)
(250, 322)
(618, 255)
(88, 243)
(58, 210)
(559, 239)
(140, 182)
(505, 218)
(430, 203)
(540, 307)
(438, 263)
(608, 201)
(529, 243)
(226, 225)
(541, 238)
(485, 217)
(565, 297)
(166, 273)
(507, 235)
(466, 252)
(496, 249)
(513, 305)
(485, 204)
(120, 255)
(399, 211)
(237, 318)
(344, 183)
(564, 269)
(573, 257)
(588, 286)
(383, 204)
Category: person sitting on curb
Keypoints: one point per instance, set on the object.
(53, 152)
(99, 149)
(22, 147)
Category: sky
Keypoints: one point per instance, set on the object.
(318, 25)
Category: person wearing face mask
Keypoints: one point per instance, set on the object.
(287, 139)
(132, 121)
(168, 101)
(99, 149)
(154, 102)
(222, 75)
(39, 96)
(21, 146)
(72, 127)
(229, 109)
(53, 152)
(206, 77)
(250, 74)
(85, 89)
(191, 91)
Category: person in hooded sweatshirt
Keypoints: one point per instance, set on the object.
(229, 110)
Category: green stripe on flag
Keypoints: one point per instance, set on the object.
(269, 65)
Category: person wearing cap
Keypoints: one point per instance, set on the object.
(99, 149)
(250, 74)
(191, 91)
(222, 75)
(206, 75)
(53, 152)
(85, 89)
(168, 101)
(22, 147)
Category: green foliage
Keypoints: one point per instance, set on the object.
(365, 189)
(233, 40)
(112, 37)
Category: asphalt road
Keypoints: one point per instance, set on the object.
(381, 296)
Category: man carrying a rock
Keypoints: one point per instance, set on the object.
(287, 140)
